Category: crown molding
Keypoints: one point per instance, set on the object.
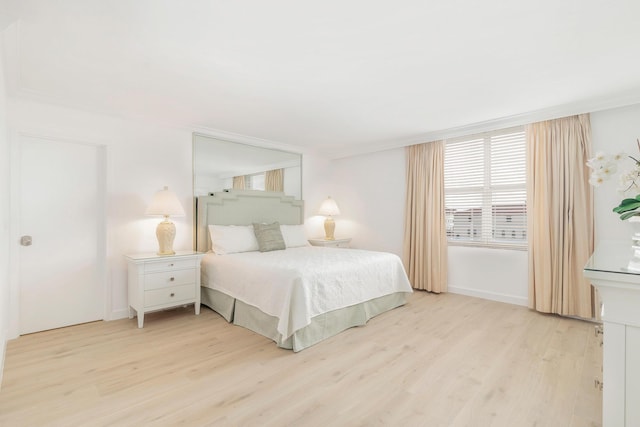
(248, 140)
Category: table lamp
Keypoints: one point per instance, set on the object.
(329, 208)
(165, 203)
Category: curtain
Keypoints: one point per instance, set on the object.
(560, 216)
(425, 236)
(238, 182)
(274, 180)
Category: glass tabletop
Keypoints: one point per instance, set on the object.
(614, 256)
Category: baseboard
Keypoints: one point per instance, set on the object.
(119, 314)
(493, 296)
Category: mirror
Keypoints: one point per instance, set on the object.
(216, 162)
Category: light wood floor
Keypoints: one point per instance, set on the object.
(441, 360)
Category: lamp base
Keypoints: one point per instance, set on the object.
(329, 227)
(166, 233)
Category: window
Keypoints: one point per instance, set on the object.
(255, 181)
(485, 189)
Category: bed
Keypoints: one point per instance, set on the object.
(298, 296)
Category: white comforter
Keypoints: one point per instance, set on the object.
(297, 284)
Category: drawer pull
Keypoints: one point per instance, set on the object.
(172, 279)
(170, 265)
(172, 294)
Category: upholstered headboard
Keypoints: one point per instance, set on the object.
(244, 207)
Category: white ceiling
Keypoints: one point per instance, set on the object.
(335, 76)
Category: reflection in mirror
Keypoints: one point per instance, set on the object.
(221, 165)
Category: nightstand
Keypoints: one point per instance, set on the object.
(337, 243)
(157, 282)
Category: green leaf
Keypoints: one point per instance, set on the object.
(638, 197)
(629, 215)
(627, 207)
(627, 201)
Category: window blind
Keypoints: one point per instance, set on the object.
(256, 181)
(485, 189)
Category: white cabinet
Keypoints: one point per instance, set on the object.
(337, 243)
(157, 282)
(619, 290)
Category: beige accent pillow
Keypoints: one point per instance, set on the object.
(269, 237)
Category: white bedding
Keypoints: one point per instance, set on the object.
(298, 284)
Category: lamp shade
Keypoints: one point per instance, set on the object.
(329, 208)
(165, 203)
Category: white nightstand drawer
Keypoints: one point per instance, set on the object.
(169, 264)
(169, 295)
(169, 278)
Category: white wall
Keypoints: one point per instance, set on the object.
(316, 178)
(495, 274)
(4, 219)
(370, 192)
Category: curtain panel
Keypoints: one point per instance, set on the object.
(238, 182)
(560, 216)
(425, 236)
(274, 180)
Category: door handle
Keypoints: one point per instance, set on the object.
(25, 241)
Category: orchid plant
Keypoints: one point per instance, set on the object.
(604, 166)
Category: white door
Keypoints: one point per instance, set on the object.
(61, 224)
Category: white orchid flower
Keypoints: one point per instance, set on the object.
(619, 156)
(596, 179)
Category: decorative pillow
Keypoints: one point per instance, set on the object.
(269, 237)
(294, 235)
(230, 239)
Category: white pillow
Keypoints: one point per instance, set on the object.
(230, 239)
(294, 235)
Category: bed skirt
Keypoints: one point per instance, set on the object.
(322, 326)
